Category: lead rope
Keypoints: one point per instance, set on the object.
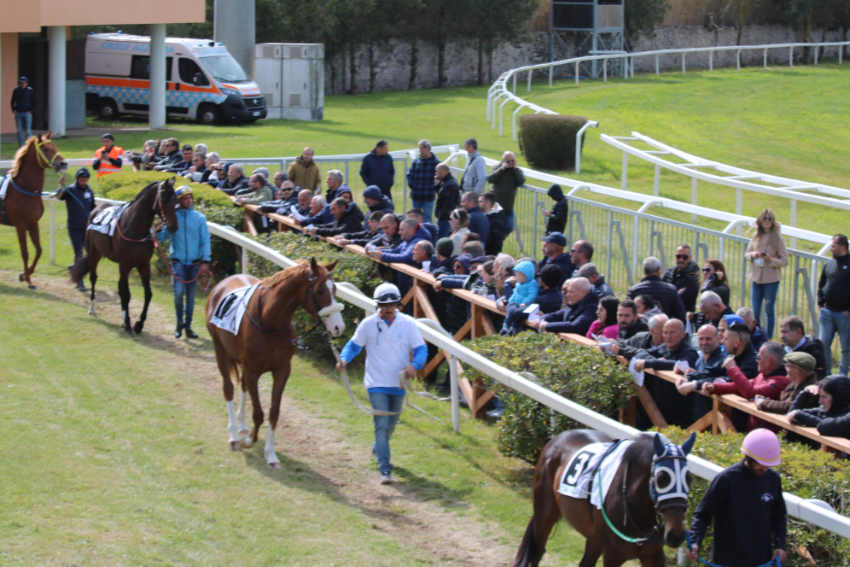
(405, 383)
(608, 522)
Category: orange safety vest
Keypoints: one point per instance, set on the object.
(106, 166)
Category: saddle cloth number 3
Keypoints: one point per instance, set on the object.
(577, 466)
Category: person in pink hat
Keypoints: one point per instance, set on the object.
(745, 504)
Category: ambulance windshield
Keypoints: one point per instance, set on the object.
(224, 68)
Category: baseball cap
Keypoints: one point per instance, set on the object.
(556, 238)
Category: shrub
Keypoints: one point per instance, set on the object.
(352, 268)
(581, 374)
(806, 472)
(548, 141)
(225, 255)
(125, 185)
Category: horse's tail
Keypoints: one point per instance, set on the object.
(80, 268)
(528, 554)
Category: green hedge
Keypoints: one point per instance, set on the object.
(581, 374)
(350, 267)
(548, 141)
(806, 472)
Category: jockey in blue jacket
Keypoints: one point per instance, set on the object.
(190, 255)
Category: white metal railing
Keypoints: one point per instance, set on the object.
(800, 508)
(698, 168)
(499, 94)
(797, 507)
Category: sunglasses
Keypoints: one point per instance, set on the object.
(682, 256)
(706, 270)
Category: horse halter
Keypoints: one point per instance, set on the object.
(43, 162)
(330, 309)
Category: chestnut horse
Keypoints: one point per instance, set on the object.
(23, 206)
(650, 486)
(131, 246)
(265, 339)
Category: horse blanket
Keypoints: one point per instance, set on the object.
(230, 310)
(580, 473)
(106, 220)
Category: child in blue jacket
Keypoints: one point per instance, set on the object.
(525, 290)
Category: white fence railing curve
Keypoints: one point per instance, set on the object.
(499, 94)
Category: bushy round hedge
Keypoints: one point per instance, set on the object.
(125, 185)
(548, 141)
(350, 267)
(578, 373)
(806, 472)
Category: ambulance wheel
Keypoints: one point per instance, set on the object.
(208, 114)
(107, 110)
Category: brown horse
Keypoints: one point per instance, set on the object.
(131, 246)
(265, 338)
(651, 481)
(23, 206)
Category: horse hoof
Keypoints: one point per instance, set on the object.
(246, 443)
(31, 286)
(20, 277)
(137, 328)
(274, 465)
(234, 446)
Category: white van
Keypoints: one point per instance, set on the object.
(205, 84)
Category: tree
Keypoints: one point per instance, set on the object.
(643, 15)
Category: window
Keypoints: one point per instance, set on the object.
(190, 73)
(140, 67)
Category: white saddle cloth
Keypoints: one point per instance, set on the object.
(230, 310)
(106, 220)
(4, 186)
(577, 480)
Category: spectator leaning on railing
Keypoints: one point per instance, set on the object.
(832, 417)
(800, 369)
(794, 337)
(597, 280)
(684, 276)
(664, 293)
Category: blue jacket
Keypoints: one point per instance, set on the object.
(378, 170)
(524, 293)
(479, 224)
(404, 251)
(191, 242)
(385, 206)
(324, 217)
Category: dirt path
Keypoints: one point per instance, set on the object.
(395, 510)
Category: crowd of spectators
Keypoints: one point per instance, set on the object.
(679, 319)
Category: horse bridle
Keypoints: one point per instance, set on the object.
(653, 497)
(43, 162)
(158, 208)
(317, 312)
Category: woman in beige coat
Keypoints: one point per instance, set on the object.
(766, 256)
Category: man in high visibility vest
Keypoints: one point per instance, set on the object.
(109, 157)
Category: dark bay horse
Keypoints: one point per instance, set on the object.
(131, 246)
(265, 339)
(651, 482)
(23, 206)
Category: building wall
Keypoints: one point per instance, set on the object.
(30, 15)
(8, 79)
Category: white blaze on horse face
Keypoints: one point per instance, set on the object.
(331, 315)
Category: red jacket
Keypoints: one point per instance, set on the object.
(769, 387)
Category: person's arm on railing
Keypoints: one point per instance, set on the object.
(835, 426)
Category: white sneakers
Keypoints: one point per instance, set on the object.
(386, 478)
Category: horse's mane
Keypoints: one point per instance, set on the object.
(19, 156)
(284, 276)
(641, 450)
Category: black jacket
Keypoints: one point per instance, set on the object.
(662, 358)
(573, 319)
(748, 513)
(721, 289)
(351, 221)
(814, 347)
(549, 300)
(836, 421)
(479, 224)
(663, 293)
(378, 170)
(79, 203)
(628, 348)
(448, 197)
(637, 327)
(834, 284)
(558, 215)
(498, 232)
(563, 262)
(686, 283)
(22, 99)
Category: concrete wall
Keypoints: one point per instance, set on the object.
(392, 60)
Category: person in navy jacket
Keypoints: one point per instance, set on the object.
(377, 168)
(79, 201)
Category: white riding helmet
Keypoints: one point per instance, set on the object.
(386, 293)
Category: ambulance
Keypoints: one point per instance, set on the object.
(203, 81)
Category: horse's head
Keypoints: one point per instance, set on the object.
(48, 154)
(669, 484)
(165, 204)
(321, 301)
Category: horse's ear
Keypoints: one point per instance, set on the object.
(330, 267)
(689, 443)
(172, 180)
(314, 265)
(48, 135)
(658, 444)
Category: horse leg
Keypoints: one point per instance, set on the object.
(124, 294)
(592, 551)
(93, 259)
(243, 398)
(546, 515)
(35, 236)
(25, 254)
(251, 381)
(145, 273)
(281, 375)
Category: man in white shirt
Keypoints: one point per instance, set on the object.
(390, 338)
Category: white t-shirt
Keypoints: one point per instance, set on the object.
(388, 348)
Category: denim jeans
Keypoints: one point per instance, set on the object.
(765, 293)
(384, 426)
(443, 228)
(832, 322)
(426, 206)
(184, 273)
(510, 222)
(23, 121)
